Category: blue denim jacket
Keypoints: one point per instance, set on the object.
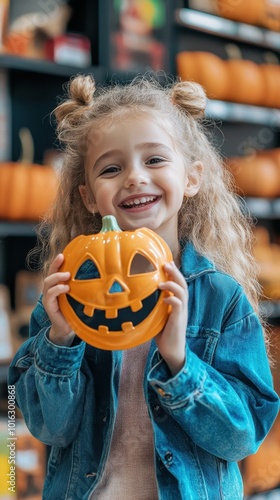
(213, 413)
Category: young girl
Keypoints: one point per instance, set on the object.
(168, 419)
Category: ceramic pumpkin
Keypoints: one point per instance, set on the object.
(115, 308)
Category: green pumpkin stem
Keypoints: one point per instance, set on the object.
(109, 223)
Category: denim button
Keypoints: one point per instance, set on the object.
(161, 391)
(168, 457)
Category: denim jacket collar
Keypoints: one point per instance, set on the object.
(194, 264)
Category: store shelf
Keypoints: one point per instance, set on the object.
(47, 67)
(270, 309)
(218, 26)
(17, 229)
(236, 112)
(263, 208)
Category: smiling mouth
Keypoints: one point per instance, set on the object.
(139, 202)
(125, 315)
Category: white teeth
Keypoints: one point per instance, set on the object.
(139, 201)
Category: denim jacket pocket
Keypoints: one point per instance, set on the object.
(203, 342)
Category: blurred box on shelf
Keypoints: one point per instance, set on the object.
(138, 35)
(30, 24)
(71, 48)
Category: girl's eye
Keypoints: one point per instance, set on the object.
(155, 159)
(112, 169)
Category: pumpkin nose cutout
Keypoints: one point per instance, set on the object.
(116, 287)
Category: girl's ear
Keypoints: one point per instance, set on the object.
(88, 199)
(194, 179)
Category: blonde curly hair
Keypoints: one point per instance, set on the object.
(212, 219)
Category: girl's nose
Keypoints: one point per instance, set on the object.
(135, 176)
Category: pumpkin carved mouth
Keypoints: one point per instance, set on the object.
(125, 321)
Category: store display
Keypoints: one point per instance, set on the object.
(114, 308)
(235, 80)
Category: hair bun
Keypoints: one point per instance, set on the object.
(191, 97)
(80, 91)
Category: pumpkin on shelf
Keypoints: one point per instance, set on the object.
(205, 68)
(26, 189)
(271, 19)
(255, 175)
(245, 11)
(247, 84)
(267, 255)
(110, 304)
(271, 77)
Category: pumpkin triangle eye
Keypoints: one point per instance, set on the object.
(88, 270)
(140, 264)
(116, 287)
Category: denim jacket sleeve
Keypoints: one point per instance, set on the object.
(226, 407)
(49, 384)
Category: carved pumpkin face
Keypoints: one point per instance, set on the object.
(114, 301)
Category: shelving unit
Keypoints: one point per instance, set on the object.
(239, 126)
(218, 26)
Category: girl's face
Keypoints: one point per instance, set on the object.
(135, 174)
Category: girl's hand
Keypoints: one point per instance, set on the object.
(171, 341)
(60, 332)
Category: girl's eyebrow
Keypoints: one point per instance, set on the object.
(106, 155)
(151, 145)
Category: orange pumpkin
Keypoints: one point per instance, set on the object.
(114, 308)
(246, 82)
(271, 15)
(26, 190)
(255, 175)
(246, 11)
(205, 68)
(271, 77)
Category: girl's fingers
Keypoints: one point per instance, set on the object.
(55, 265)
(174, 273)
(173, 287)
(54, 279)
